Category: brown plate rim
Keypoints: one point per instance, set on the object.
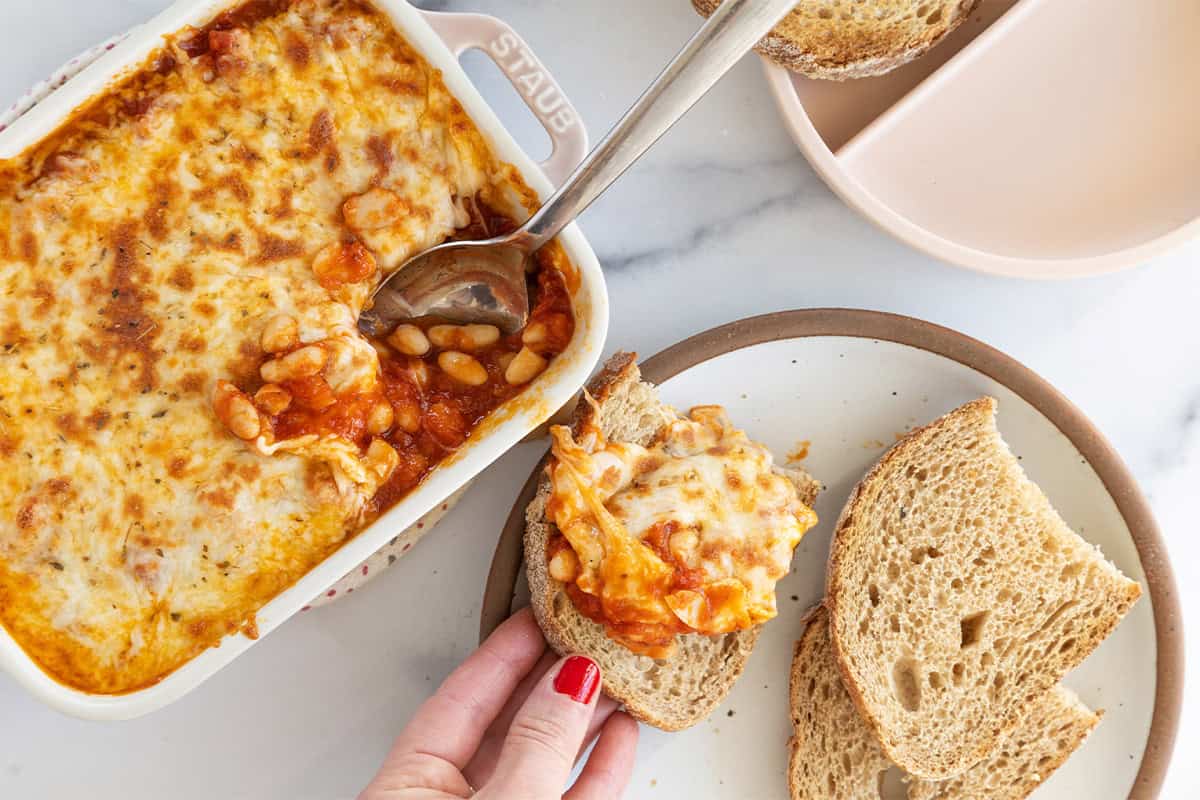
(1113, 473)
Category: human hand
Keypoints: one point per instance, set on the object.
(508, 724)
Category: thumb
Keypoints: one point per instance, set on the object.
(547, 733)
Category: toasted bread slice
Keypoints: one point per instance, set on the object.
(835, 756)
(673, 693)
(958, 596)
(840, 39)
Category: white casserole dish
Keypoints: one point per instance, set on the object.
(440, 38)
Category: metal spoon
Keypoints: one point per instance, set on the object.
(484, 281)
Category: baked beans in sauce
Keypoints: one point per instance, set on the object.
(434, 412)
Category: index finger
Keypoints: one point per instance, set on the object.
(451, 724)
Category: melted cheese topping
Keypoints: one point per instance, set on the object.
(144, 247)
(688, 535)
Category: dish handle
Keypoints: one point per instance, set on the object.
(527, 74)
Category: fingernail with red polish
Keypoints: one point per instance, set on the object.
(578, 679)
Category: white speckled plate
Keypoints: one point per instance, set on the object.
(842, 385)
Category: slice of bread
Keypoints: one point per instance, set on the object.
(958, 596)
(1052, 729)
(835, 756)
(673, 693)
(840, 39)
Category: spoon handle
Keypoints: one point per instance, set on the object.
(723, 39)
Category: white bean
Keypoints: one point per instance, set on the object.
(462, 368)
(408, 417)
(234, 408)
(525, 366)
(301, 363)
(464, 337)
(381, 458)
(409, 340)
(534, 333)
(564, 567)
(380, 418)
(272, 398)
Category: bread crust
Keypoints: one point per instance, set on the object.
(796, 45)
(705, 667)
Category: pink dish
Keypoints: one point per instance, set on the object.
(1042, 139)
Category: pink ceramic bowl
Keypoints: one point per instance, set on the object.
(1042, 139)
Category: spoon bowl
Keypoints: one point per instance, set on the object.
(481, 281)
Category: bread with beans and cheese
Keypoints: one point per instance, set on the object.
(654, 544)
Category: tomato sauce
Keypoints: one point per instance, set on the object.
(434, 413)
(627, 622)
(244, 15)
(315, 409)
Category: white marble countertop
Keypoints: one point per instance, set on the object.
(309, 712)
